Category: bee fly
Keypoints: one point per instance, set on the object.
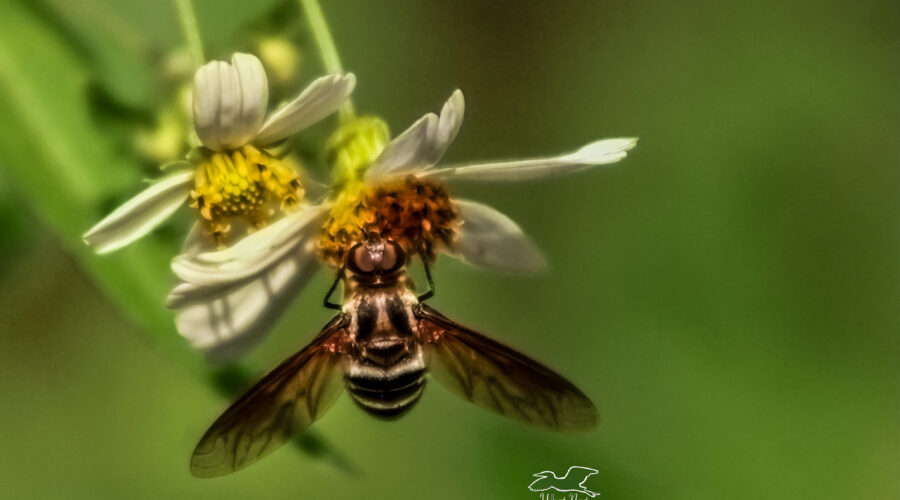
(380, 347)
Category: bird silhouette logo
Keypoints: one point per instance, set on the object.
(572, 481)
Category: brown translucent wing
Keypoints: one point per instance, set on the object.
(499, 379)
(283, 403)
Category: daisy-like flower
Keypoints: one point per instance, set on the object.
(234, 176)
(229, 298)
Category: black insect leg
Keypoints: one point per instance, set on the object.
(327, 302)
(430, 293)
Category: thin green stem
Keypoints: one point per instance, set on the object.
(191, 31)
(327, 50)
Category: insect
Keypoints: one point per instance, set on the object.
(380, 347)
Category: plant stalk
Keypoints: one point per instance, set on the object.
(327, 51)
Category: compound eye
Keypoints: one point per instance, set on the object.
(393, 258)
(360, 260)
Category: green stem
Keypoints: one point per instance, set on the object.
(327, 50)
(191, 30)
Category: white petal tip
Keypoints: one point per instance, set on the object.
(490, 239)
(534, 263)
(342, 83)
(229, 101)
(604, 151)
(105, 250)
(179, 295)
(319, 99)
(350, 78)
(139, 215)
(181, 267)
(540, 266)
(98, 248)
(243, 57)
(457, 98)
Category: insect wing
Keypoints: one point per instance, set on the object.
(283, 403)
(499, 379)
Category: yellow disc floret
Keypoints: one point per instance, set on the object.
(246, 185)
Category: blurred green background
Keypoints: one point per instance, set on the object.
(727, 295)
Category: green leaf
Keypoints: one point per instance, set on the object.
(71, 173)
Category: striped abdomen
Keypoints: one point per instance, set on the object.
(387, 391)
(386, 374)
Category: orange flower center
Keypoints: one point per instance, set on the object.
(416, 214)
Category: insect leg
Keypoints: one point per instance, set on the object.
(430, 293)
(327, 302)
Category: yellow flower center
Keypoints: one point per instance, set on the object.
(245, 185)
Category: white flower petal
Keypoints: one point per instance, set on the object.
(229, 101)
(320, 99)
(424, 143)
(596, 153)
(139, 215)
(225, 322)
(253, 254)
(487, 238)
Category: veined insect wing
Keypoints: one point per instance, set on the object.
(282, 404)
(500, 379)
